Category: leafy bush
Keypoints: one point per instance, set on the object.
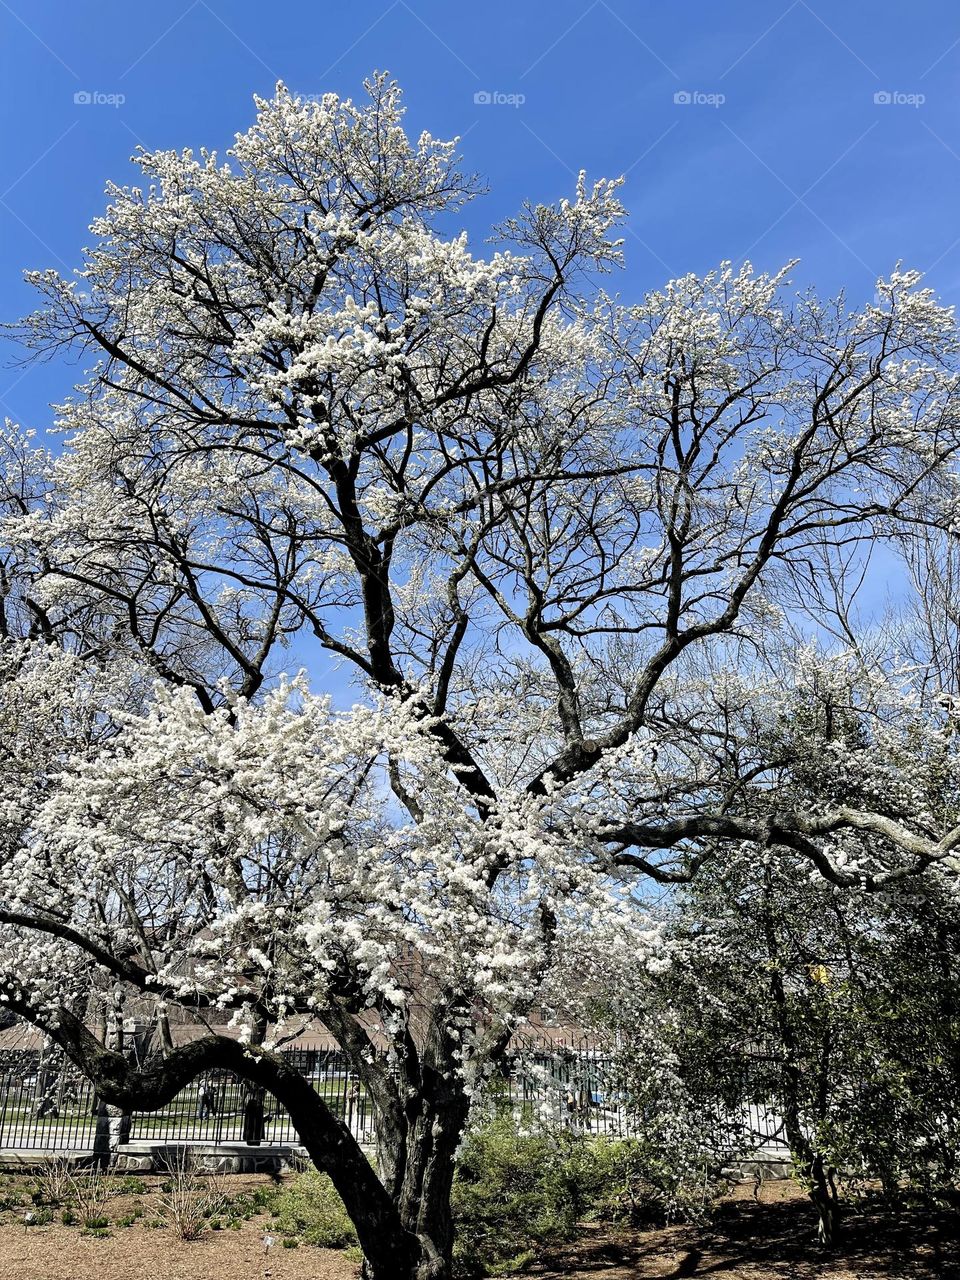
(516, 1193)
(513, 1193)
(311, 1209)
(128, 1185)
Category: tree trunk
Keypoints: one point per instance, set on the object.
(391, 1251)
(428, 1182)
(816, 1175)
(420, 1108)
(823, 1194)
(403, 1221)
(436, 1115)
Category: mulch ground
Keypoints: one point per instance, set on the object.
(770, 1238)
(61, 1253)
(141, 1252)
(746, 1240)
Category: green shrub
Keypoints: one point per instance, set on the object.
(128, 1185)
(311, 1209)
(249, 1204)
(641, 1183)
(515, 1194)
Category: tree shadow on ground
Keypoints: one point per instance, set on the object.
(746, 1240)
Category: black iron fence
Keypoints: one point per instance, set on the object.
(44, 1105)
(47, 1105)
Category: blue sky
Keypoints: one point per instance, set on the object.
(782, 149)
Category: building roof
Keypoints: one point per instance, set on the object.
(308, 1034)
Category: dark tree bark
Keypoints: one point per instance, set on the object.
(436, 1115)
(815, 1173)
(392, 1252)
(403, 1222)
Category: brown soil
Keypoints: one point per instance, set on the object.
(746, 1240)
(140, 1252)
(61, 1253)
(772, 1238)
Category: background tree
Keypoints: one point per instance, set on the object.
(833, 1008)
(531, 524)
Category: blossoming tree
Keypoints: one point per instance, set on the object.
(829, 1007)
(320, 434)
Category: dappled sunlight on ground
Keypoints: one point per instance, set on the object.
(772, 1239)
